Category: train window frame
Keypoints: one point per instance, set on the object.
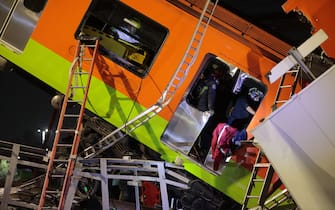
(189, 131)
(128, 37)
(235, 87)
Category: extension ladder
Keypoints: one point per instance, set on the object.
(258, 187)
(170, 90)
(287, 87)
(294, 62)
(69, 124)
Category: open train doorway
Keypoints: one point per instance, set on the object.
(220, 93)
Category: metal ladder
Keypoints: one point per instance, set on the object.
(296, 62)
(170, 90)
(258, 187)
(287, 87)
(69, 124)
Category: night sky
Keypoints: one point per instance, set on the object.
(25, 107)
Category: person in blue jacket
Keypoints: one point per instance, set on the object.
(204, 94)
(207, 93)
(246, 105)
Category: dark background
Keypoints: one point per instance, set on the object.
(292, 28)
(25, 106)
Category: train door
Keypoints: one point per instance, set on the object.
(196, 107)
(213, 97)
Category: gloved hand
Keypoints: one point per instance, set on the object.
(222, 151)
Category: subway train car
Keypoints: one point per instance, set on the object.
(143, 57)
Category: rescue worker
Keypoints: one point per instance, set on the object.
(204, 97)
(205, 93)
(220, 144)
(246, 103)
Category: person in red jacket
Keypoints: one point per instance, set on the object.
(221, 141)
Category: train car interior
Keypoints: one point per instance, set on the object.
(128, 37)
(211, 99)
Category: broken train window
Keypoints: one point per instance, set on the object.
(128, 37)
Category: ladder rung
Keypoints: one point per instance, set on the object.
(190, 56)
(50, 207)
(57, 175)
(68, 130)
(71, 115)
(281, 101)
(64, 145)
(89, 45)
(52, 192)
(178, 79)
(253, 196)
(262, 165)
(75, 101)
(61, 160)
(187, 63)
(80, 72)
(258, 180)
(285, 86)
(78, 87)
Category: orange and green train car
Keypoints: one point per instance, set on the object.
(142, 44)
